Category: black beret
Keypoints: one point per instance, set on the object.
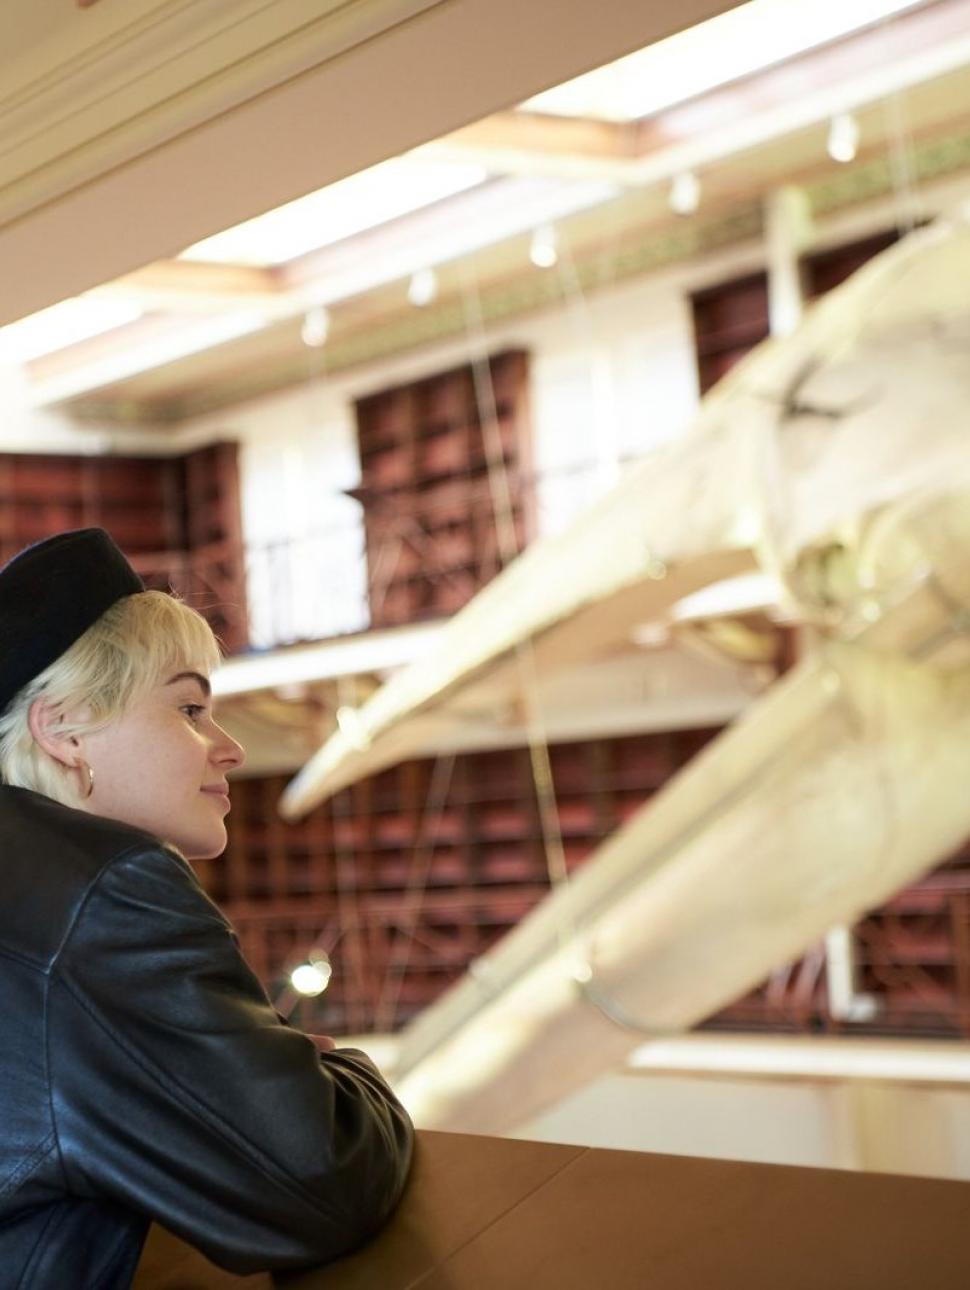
(50, 594)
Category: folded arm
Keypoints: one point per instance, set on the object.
(178, 1092)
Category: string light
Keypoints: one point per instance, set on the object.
(843, 140)
(316, 327)
(685, 193)
(544, 250)
(423, 288)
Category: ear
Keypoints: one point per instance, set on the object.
(44, 721)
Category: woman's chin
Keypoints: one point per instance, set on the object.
(201, 847)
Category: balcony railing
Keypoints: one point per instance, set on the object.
(338, 578)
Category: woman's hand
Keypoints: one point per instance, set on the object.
(323, 1042)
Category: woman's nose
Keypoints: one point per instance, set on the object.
(227, 753)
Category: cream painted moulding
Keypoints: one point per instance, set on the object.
(106, 84)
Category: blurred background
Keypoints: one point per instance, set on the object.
(327, 312)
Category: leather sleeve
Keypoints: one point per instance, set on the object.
(177, 1092)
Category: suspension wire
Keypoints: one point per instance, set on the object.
(348, 913)
(579, 313)
(414, 891)
(908, 214)
(567, 931)
(502, 509)
(906, 192)
(581, 322)
(347, 922)
(902, 166)
(498, 479)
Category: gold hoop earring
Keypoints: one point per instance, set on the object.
(87, 774)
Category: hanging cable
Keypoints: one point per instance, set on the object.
(902, 168)
(348, 914)
(414, 891)
(504, 517)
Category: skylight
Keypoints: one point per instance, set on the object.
(375, 196)
(743, 40)
(64, 324)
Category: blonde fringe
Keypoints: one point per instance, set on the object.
(127, 651)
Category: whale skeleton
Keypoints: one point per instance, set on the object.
(837, 460)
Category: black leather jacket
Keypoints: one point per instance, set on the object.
(144, 1075)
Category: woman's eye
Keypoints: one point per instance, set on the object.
(193, 711)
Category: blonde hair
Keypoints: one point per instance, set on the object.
(122, 655)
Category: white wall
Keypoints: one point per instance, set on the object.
(24, 428)
(304, 535)
(885, 1126)
(608, 386)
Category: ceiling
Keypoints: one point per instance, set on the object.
(131, 131)
(212, 332)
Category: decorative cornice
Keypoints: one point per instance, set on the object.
(867, 180)
(414, 328)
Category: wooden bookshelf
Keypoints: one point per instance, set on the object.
(729, 320)
(408, 897)
(823, 270)
(428, 508)
(176, 518)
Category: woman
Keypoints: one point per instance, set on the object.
(143, 1074)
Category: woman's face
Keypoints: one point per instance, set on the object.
(162, 766)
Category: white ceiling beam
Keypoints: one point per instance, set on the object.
(192, 286)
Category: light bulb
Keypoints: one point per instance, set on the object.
(843, 140)
(316, 327)
(544, 250)
(312, 978)
(423, 287)
(685, 193)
